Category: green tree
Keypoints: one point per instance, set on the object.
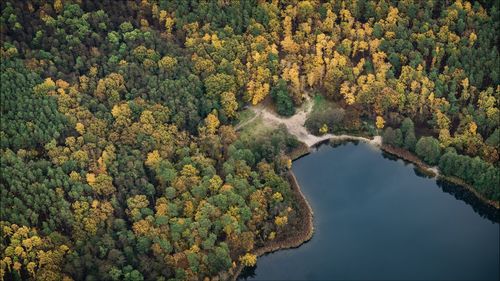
(283, 101)
(428, 149)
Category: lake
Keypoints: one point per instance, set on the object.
(376, 217)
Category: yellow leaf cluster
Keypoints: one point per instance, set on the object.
(229, 104)
(281, 220)
(277, 197)
(167, 63)
(80, 128)
(379, 122)
(324, 129)
(212, 123)
(121, 110)
(90, 179)
(153, 159)
(248, 259)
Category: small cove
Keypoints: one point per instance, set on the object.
(376, 217)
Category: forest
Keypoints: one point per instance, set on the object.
(120, 159)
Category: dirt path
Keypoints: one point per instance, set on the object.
(257, 110)
(295, 125)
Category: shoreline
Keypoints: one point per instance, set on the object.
(408, 156)
(307, 232)
(298, 238)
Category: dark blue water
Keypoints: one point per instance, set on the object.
(376, 218)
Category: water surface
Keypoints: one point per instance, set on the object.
(377, 218)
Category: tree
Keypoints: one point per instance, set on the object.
(379, 122)
(393, 137)
(229, 104)
(281, 220)
(217, 84)
(110, 88)
(167, 63)
(219, 259)
(212, 123)
(410, 141)
(101, 184)
(153, 159)
(248, 259)
(284, 103)
(428, 149)
(407, 126)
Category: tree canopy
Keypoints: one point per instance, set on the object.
(119, 156)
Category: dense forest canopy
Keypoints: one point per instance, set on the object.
(119, 156)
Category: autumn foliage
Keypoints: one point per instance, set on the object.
(119, 154)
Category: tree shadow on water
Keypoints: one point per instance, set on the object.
(462, 194)
(459, 192)
(247, 272)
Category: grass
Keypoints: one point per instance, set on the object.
(245, 115)
(256, 128)
(320, 103)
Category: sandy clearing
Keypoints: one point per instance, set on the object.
(295, 125)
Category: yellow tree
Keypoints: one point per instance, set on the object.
(48, 86)
(379, 122)
(348, 93)
(324, 129)
(109, 88)
(281, 220)
(289, 45)
(167, 63)
(153, 159)
(80, 128)
(258, 68)
(229, 104)
(101, 184)
(58, 6)
(212, 122)
(135, 204)
(248, 259)
(188, 179)
(24, 249)
(329, 22)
